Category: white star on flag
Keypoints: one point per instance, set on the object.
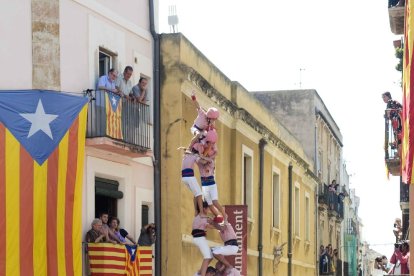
(40, 120)
(113, 101)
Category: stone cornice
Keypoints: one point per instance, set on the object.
(243, 115)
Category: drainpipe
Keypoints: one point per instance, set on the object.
(262, 144)
(290, 222)
(316, 201)
(157, 138)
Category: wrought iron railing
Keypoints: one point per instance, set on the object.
(333, 199)
(394, 3)
(391, 142)
(323, 194)
(129, 122)
(404, 192)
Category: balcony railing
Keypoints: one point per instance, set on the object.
(333, 200)
(396, 11)
(404, 192)
(391, 147)
(124, 121)
(323, 194)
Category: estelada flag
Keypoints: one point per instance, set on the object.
(407, 149)
(113, 107)
(113, 259)
(42, 143)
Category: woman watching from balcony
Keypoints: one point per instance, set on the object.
(121, 234)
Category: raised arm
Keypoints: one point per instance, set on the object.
(195, 102)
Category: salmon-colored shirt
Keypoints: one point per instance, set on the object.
(201, 120)
(200, 222)
(188, 161)
(228, 233)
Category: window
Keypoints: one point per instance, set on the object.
(307, 217)
(144, 215)
(276, 198)
(107, 60)
(106, 196)
(248, 180)
(297, 210)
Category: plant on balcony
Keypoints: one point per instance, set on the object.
(399, 53)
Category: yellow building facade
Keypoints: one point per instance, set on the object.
(244, 124)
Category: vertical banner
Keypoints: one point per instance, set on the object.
(407, 149)
(42, 149)
(237, 216)
(113, 115)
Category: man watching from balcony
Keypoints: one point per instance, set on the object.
(124, 83)
(107, 82)
(139, 91)
(147, 236)
(110, 236)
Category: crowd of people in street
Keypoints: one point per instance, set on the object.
(201, 152)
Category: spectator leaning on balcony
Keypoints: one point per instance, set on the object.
(397, 229)
(107, 82)
(323, 260)
(95, 234)
(139, 91)
(110, 236)
(147, 236)
(124, 83)
(393, 113)
(121, 234)
(332, 193)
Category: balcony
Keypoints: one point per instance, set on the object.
(331, 201)
(118, 125)
(323, 196)
(392, 158)
(396, 12)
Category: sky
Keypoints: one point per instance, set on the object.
(343, 49)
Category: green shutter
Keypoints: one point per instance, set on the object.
(108, 188)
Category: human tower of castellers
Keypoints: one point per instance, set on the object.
(202, 152)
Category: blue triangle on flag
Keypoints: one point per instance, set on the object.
(114, 100)
(132, 251)
(39, 119)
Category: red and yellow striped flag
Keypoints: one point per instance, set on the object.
(42, 141)
(145, 260)
(113, 107)
(407, 150)
(109, 259)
